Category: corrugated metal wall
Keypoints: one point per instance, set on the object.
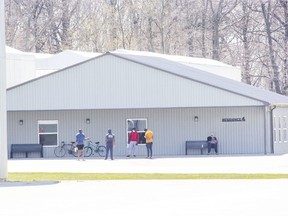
(172, 127)
(114, 83)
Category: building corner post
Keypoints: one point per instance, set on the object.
(3, 108)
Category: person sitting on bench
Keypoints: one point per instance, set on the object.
(212, 143)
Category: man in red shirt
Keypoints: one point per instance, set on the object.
(133, 141)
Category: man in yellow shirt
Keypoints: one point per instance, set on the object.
(149, 142)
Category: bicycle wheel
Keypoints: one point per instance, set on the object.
(74, 151)
(59, 151)
(87, 151)
(101, 151)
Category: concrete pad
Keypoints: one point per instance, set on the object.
(149, 197)
(189, 164)
(130, 198)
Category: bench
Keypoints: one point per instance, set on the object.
(26, 148)
(196, 144)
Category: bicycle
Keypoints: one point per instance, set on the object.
(63, 148)
(93, 148)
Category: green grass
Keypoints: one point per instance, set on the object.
(61, 176)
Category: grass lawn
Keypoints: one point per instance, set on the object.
(58, 176)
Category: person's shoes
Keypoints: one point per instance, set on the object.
(151, 157)
(105, 159)
(134, 155)
(128, 156)
(147, 157)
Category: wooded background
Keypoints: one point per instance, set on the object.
(251, 34)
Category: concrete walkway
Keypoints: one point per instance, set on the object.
(149, 197)
(189, 164)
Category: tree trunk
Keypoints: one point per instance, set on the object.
(272, 56)
(284, 4)
(246, 54)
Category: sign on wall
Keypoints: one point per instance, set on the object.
(241, 119)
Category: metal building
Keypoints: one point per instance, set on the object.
(3, 111)
(176, 101)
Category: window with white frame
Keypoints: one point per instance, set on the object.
(285, 129)
(140, 124)
(48, 132)
(280, 130)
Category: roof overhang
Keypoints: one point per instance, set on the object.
(279, 105)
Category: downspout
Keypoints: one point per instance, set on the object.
(272, 128)
(265, 129)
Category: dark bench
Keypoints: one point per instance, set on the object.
(196, 144)
(26, 148)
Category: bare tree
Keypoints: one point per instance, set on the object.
(268, 18)
(244, 29)
(246, 43)
(194, 21)
(220, 9)
(160, 25)
(282, 17)
(203, 27)
(246, 33)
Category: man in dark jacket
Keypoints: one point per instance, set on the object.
(212, 143)
(110, 142)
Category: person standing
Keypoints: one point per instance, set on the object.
(133, 141)
(212, 143)
(80, 137)
(149, 142)
(110, 142)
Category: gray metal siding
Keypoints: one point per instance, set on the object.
(113, 83)
(172, 127)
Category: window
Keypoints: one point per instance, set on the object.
(280, 131)
(140, 125)
(48, 132)
(284, 129)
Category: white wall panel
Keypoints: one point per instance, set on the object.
(20, 68)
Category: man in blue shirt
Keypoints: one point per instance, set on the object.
(80, 137)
